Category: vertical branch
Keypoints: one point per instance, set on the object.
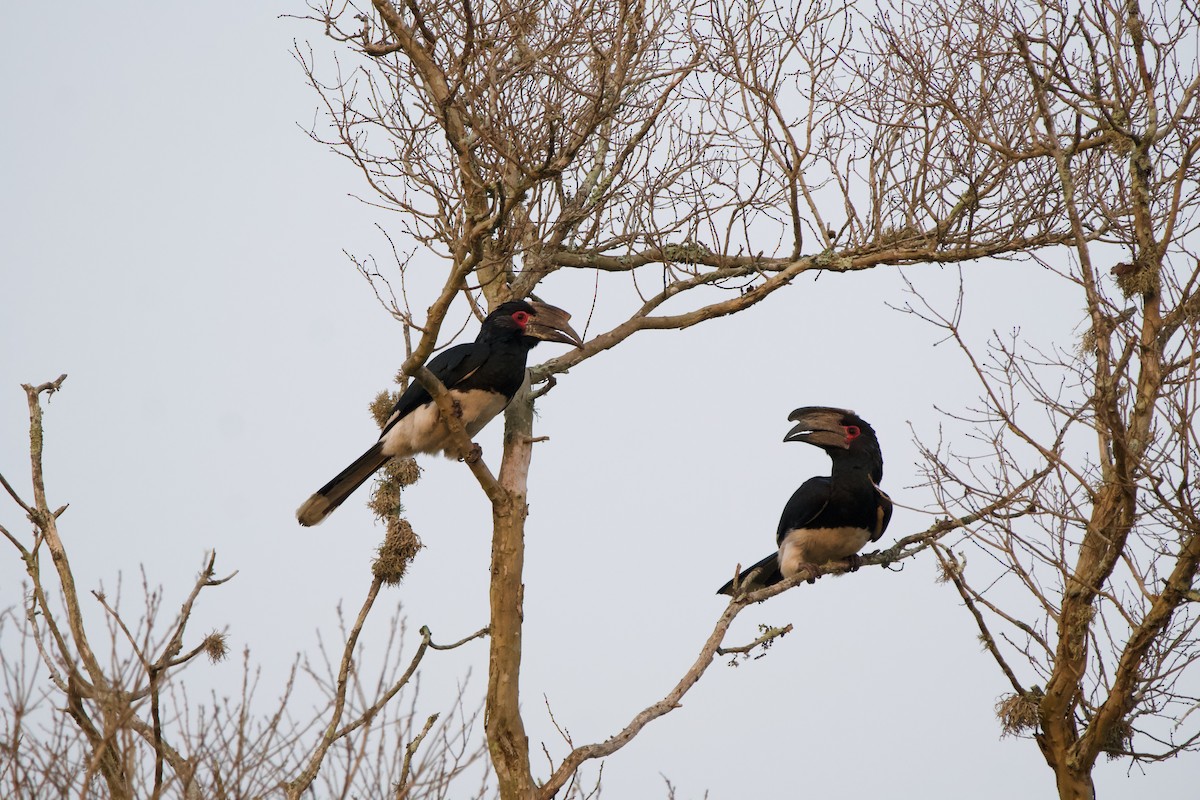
(1112, 512)
(105, 756)
(47, 523)
(301, 783)
(507, 740)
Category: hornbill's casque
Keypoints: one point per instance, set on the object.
(828, 518)
(482, 377)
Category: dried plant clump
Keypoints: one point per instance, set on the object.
(399, 548)
(381, 407)
(1019, 713)
(216, 646)
(404, 471)
(385, 498)
(396, 474)
(1119, 741)
(1135, 279)
(1191, 309)
(1083, 615)
(400, 544)
(948, 569)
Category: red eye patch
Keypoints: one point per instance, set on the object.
(852, 432)
(521, 318)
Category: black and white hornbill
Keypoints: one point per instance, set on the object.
(827, 518)
(482, 377)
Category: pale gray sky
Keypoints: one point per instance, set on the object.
(173, 242)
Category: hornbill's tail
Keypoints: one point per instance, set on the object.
(763, 574)
(334, 493)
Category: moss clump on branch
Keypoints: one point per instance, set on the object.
(1019, 713)
(216, 646)
(381, 407)
(1119, 740)
(399, 548)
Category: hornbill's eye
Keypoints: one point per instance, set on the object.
(852, 432)
(521, 318)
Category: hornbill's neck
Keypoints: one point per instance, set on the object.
(851, 466)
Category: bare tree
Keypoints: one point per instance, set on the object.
(676, 149)
(1084, 598)
(688, 159)
(101, 709)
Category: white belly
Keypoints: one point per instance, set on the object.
(423, 431)
(819, 546)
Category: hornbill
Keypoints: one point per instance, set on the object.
(827, 518)
(482, 377)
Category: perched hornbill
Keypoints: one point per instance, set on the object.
(828, 518)
(482, 377)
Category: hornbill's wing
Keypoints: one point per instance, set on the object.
(451, 367)
(805, 506)
(883, 515)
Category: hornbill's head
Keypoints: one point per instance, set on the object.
(532, 321)
(839, 432)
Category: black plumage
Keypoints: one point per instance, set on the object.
(482, 377)
(829, 518)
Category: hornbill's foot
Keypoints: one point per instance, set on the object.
(810, 570)
(472, 455)
(854, 560)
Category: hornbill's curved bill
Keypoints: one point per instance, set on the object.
(827, 518)
(482, 378)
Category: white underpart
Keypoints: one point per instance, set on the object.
(423, 431)
(819, 546)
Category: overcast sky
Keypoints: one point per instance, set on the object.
(173, 241)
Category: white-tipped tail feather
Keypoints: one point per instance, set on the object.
(333, 494)
(313, 510)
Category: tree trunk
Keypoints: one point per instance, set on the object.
(1074, 784)
(507, 742)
